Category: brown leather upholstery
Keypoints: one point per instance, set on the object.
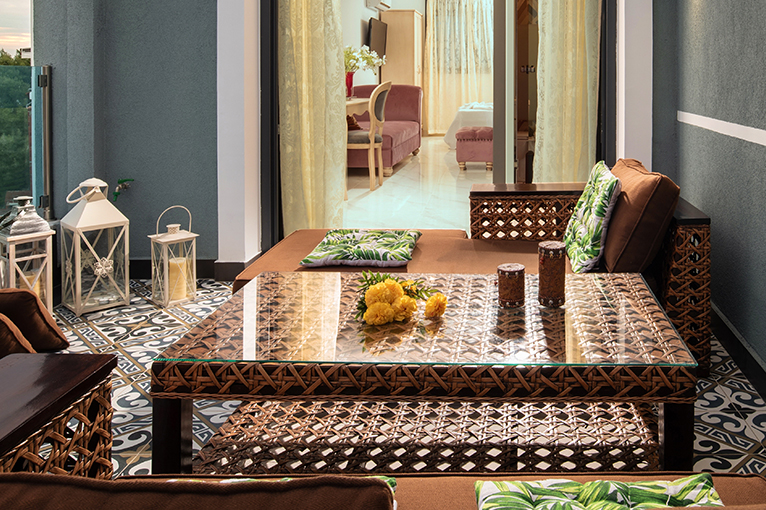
(422, 491)
(11, 339)
(35, 322)
(437, 251)
(640, 217)
(425, 491)
(57, 492)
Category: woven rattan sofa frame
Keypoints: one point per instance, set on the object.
(680, 273)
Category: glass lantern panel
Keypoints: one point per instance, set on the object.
(67, 272)
(102, 266)
(181, 283)
(31, 267)
(158, 274)
(5, 276)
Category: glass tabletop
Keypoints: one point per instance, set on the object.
(306, 317)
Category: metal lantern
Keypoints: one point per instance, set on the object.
(26, 251)
(94, 251)
(174, 263)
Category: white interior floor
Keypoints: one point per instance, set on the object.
(426, 191)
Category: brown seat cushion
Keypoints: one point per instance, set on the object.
(11, 339)
(35, 322)
(59, 492)
(640, 218)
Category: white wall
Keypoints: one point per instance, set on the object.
(239, 222)
(634, 80)
(354, 19)
(418, 5)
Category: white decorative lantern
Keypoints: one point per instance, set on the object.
(26, 252)
(94, 251)
(174, 263)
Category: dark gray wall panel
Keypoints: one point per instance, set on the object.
(665, 89)
(721, 60)
(708, 60)
(135, 97)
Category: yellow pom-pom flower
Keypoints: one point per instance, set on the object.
(378, 314)
(394, 289)
(436, 305)
(378, 293)
(404, 307)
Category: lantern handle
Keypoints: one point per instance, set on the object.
(93, 189)
(157, 229)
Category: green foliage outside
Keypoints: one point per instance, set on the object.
(15, 104)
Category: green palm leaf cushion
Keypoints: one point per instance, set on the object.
(361, 247)
(585, 235)
(562, 494)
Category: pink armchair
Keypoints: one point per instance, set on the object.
(401, 130)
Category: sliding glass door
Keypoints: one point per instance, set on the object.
(21, 134)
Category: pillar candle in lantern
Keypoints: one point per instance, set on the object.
(177, 278)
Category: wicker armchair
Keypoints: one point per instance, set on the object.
(680, 273)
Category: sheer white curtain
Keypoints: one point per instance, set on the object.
(567, 89)
(312, 114)
(457, 59)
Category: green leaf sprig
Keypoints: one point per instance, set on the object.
(416, 290)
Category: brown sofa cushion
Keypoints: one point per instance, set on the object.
(640, 217)
(11, 339)
(456, 491)
(35, 322)
(58, 492)
(437, 251)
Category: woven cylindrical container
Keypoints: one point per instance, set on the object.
(510, 285)
(551, 279)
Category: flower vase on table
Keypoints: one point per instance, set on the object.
(349, 84)
(360, 59)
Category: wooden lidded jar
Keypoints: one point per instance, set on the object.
(552, 261)
(510, 285)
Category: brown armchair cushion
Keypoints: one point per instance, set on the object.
(11, 339)
(59, 492)
(30, 316)
(640, 217)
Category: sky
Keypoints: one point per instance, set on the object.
(14, 25)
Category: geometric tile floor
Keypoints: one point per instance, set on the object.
(136, 334)
(730, 422)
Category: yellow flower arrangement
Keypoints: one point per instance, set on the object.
(385, 298)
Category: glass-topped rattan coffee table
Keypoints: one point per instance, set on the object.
(292, 337)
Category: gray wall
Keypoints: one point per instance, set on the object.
(709, 60)
(134, 96)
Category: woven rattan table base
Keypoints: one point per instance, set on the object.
(386, 437)
(76, 442)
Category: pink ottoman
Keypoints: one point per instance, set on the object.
(474, 144)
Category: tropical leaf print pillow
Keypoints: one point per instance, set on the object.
(359, 247)
(586, 232)
(561, 494)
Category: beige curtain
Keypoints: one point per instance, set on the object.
(457, 59)
(567, 89)
(312, 121)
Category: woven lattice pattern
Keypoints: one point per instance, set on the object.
(686, 293)
(76, 442)
(382, 437)
(611, 341)
(530, 217)
(613, 319)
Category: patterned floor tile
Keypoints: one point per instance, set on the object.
(730, 428)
